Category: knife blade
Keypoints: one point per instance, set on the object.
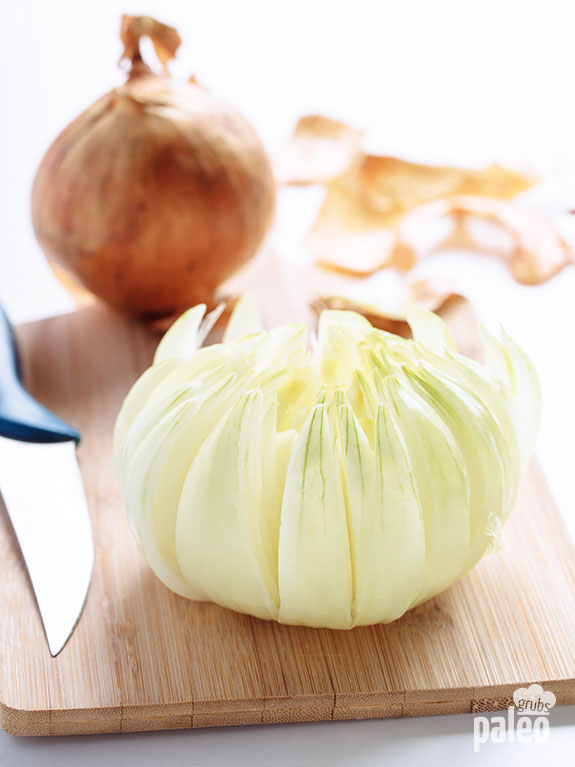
(42, 489)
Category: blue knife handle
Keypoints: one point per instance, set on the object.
(21, 417)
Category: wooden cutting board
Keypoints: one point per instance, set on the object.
(142, 658)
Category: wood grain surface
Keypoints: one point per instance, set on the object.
(143, 658)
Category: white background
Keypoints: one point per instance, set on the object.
(440, 81)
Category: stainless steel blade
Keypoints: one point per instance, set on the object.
(43, 492)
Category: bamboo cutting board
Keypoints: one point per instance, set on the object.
(142, 658)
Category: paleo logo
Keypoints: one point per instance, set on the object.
(527, 721)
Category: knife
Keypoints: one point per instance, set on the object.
(43, 493)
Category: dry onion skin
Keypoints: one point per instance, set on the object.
(388, 184)
(331, 487)
(351, 238)
(376, 206)
(357, 227)
(533, 248)
(320, 150)
(323, 150)
(384, 305)
(155, 194)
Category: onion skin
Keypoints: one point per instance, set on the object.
(154, 195)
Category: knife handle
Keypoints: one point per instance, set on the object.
(21, 417)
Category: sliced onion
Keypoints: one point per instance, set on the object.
(330, 486)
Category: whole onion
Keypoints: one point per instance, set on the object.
(155, 194)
